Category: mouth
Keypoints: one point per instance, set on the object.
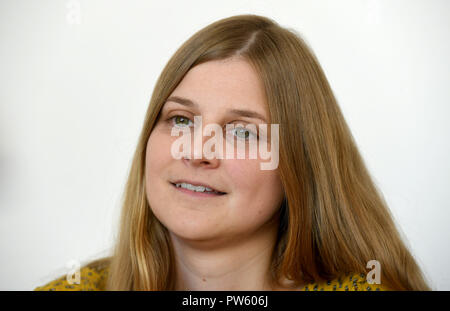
(197, 191)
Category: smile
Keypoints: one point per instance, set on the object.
(198, 194)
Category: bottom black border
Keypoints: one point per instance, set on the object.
(229, 300)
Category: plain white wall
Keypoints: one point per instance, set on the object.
(74, 94)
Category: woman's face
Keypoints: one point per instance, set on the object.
(252, 195)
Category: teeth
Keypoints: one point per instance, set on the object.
(195, 188)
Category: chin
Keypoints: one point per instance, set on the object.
(193, 233)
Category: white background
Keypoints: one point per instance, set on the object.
(74, 95)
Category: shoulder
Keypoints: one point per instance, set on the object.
(348, 282)
(91, 279)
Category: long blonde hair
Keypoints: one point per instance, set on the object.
(333, 218)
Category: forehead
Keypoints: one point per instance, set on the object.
(224, 84)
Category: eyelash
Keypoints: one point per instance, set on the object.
(169, 120)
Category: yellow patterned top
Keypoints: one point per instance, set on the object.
(92, 279)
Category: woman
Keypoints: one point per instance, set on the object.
(312, 223)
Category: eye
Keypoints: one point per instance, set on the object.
(243, 133)
(180, 121)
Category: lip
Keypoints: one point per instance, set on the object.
(195, 193)
(195, 183)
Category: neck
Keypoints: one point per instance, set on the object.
(240, 264)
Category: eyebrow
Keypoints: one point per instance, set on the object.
(244, 113)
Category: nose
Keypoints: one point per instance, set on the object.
(203, 162)
(197, 156)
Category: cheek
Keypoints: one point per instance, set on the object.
(240, 173)
(259, 191)
(247, 175)
(157, 153)
(157, 160)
